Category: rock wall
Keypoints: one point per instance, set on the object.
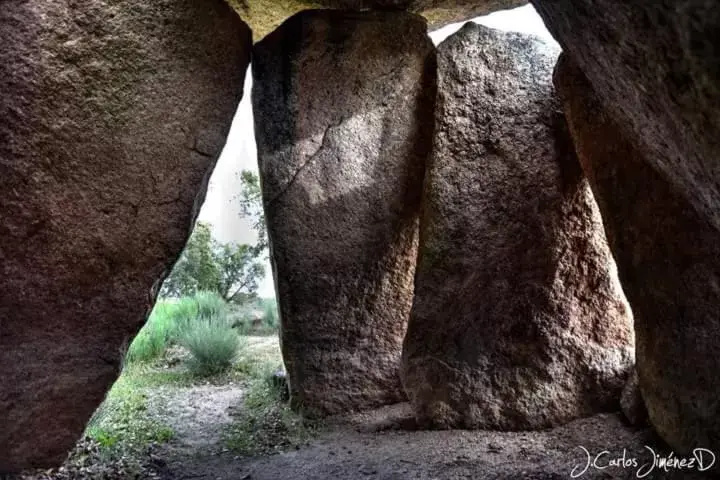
(343, 106)
(654, 66)
(518, 320)
(111, 117)
(668, 257)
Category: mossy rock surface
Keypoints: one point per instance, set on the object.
(264, 16)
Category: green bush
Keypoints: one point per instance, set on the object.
(213, 345)
(170, 320)
(201, 306)
(210, 305)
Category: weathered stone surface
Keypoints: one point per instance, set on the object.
(264, 16)
(655, 66)
(668, 257)
(438, 12)
(342, 102)
(111, 117)
(518, 320)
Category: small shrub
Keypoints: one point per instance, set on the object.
(201, 306)
(270, 315)
(169, 321)
(210, 305)
(213, 346)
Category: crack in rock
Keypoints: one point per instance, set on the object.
(310, 159)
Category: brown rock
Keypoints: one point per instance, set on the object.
(111, 118)
(266, 15)
(518, 320)
(668, 257)
(341, 106)
(437, 12)
(655, 66)
(631, 402)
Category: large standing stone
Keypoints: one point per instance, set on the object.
(654, 64)
(111, 118)
(342, 107)
(668, 257)
(518, 320)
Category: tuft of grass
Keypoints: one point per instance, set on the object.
(213, 346)
(203, 306)
(153, 339)
(169, 322)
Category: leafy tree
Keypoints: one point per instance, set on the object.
(230, 270)
(251, 207)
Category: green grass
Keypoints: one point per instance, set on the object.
(122, 423)
(213, 346)
(265, 423)
(169, 323)
(124, 427)
(151, 342)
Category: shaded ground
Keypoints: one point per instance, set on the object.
(229, 427)
(196, 414)
(199, 414)
(374, 446)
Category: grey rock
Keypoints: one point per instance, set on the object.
(518, 320)
(111, 117)
(342, 106)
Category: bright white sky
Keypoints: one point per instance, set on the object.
(221, 210)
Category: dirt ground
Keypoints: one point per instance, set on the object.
(196, 415)
(381, 445)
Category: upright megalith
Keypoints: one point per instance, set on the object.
(518, 320)
(111, 117)
(654, 64)
(343, 106)
(668, 257)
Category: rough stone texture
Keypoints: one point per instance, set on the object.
(655, 66)
(631, 402)
(438, 12)
(264, 16)
(668, 257)
(342, 102)
(111, 117)
(518, 320)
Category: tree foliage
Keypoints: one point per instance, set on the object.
(231, 270)
(251, 207)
